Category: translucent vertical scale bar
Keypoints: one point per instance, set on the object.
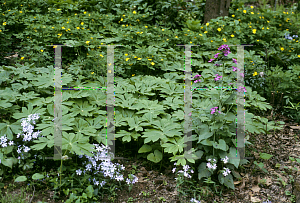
(57, 103)
(110, 102)
(240, 101)
(188, 104)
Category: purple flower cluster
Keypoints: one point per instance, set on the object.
(196, 77)
(218, 77)
(213, 110)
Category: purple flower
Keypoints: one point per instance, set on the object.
(216, 56)
(240, 88)
(218, 77)
(234, 60)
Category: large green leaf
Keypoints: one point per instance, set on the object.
(155, 157)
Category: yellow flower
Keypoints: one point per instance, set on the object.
(263, 28)
(163, 29)
(299, 56)
(146, 26)
(101, 55)
(150, 59)
(23, 57)
(84, 12)
(232, 35)
(42, 50)
(121, 19)
(205, 32)
(92, 72)
(219, 29)
(233, 16)
(252, 13)
(20, 11)
(152, 63)
(87, 42)
(126, 54)
(282, 48)
(176, 37)
(257, 40)
(78, 28)
(207, 24)
(127, 59)
(200, 34)
(58, 9)
(4, 23)
(211, 41)
(254, 31)
(255, 73)
(244, 11)
(224, 39)
(162, 59)
(133, 75)
(63, 28)
(268, 28)
(82, 23)
(139, 58)
(251, 6)
(134, 12)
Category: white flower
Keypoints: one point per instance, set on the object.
(226, 172)
(261, 74)
(225, 160)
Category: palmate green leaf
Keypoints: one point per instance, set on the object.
(153, 135)
(179, 114)
(9, 94)
(155, 157)
(26, 112)
(177, 144)
(121, 118)
(174, 103)
(126, 135)
(149, 83)
(125, 101)
(28, 96)
(136, 123)
(42, 142)
(83, 126)
(152, 108)
(97, 98)
(5, 104)
(171, 89)
(77, 143)
(47, 127)
(9, 129)
(98, 122)
(82, 108)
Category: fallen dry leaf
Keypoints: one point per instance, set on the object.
(255, 199)
(255, 188)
